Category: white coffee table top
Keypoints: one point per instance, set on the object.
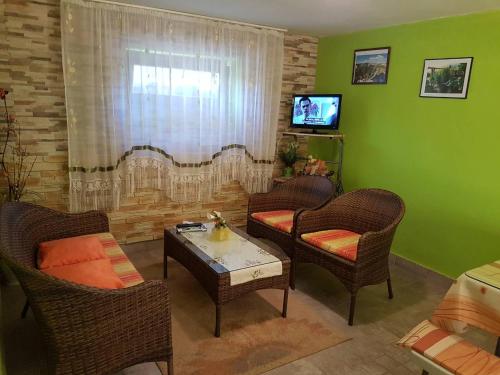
(244, 260)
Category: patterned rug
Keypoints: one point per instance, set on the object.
(254, 337)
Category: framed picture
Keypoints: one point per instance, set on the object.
(371, 66)
(446, 78)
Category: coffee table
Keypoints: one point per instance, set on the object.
(222, 274)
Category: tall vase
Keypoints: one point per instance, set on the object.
(220, 234)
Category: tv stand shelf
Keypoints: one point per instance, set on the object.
(334, 137)
(329, 136)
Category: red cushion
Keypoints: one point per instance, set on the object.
(281, 219)
(340, 242)
(97, 273)
(69, 251)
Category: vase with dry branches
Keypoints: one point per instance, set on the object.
(16, 164)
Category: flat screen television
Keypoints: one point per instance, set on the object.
(316, 111)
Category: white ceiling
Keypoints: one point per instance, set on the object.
(324, 17)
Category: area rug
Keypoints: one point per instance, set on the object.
(254, 337)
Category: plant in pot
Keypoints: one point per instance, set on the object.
(289, 155)
(220, 231)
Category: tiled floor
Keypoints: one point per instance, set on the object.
(379, 322)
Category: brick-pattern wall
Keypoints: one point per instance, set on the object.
(144, 216)
(299, 76)
(30, 67)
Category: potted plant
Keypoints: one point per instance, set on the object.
(289, 155)
(221, 230)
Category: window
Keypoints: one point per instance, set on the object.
(176, 99)
(179, 82)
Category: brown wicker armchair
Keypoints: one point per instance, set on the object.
(372, 213)
(86, 330)
(296, 194)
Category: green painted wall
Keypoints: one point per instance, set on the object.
(441, 155)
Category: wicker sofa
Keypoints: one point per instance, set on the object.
(86, 330)
(291, 196)
(351, 236)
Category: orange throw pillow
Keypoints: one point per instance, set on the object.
(97, 273)
(69, 251)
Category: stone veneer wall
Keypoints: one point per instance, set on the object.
(30, 67)
(299, 76)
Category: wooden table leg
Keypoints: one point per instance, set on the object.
(217, 319)
(25, 309)
(285, 303)
(165, 259)
(170, 364)
(351, 308)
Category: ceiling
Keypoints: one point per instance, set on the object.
(324, 17)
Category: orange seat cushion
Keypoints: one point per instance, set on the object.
(97, 273)
(282, 219)
(68, 251)
(450, 351)
(340, 242)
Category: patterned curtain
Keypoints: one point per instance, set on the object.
(163, 101)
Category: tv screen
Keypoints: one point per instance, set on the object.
(316, 111)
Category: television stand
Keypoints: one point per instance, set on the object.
(334, 137)
(315, 131)
(329, 136)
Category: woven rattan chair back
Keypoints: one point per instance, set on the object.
(367, 210)
(23, 226)
(307, 191)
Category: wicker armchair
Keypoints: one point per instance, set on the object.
(86, 330)
(373, 213)
(296, 194)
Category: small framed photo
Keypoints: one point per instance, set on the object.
(446, 78)
(371, 66)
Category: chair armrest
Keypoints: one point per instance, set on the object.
(375, 246)
(77, 320)
(322, 217)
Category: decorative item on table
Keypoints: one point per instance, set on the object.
(316, 167)
(371, 66)
(220, 232)
(16, 163)
(446, 78)
(289, 155)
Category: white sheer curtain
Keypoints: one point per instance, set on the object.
(157, 100)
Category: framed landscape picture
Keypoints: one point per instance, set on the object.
(370, 66)
(446, 78)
